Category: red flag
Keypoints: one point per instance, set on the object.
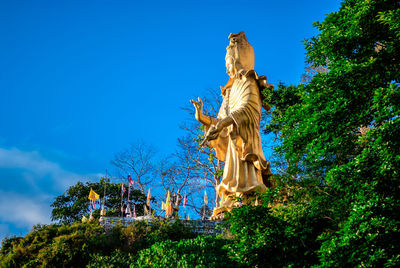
(134, 211)
(130, 180)
(185, 200)
(122, 189)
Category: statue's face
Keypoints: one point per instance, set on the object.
(230, 67)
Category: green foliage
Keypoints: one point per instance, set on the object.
(57, 246)
(138, 237)
(199, 252)
(74, 203)
(117, 259)
(339, 136)
(335, 201)
(141, 235)
(273, 237)
(80, 243)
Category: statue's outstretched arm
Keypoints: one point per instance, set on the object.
(216, 128)
(205, 120)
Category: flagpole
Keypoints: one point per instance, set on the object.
(91, 208)
(122, 196)
(104, 195)
(129, 193)
(148, 202)
(184, 204)
(205, 203)
(128, 205)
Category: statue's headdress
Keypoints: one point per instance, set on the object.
(241, 51)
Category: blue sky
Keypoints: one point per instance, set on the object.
(82, 80)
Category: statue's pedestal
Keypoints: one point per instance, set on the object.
(205, 227)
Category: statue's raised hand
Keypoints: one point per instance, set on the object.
(199, 109)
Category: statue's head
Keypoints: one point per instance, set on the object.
(239, 55)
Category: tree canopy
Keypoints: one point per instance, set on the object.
(74, 203)
(340, 130)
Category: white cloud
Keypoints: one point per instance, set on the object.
(35, 167)
(24, 211)
(18, 213)
(37, 181)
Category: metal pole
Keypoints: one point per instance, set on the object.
(104, 196)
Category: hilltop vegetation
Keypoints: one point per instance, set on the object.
(335, 201)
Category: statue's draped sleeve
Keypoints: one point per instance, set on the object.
(244, 108)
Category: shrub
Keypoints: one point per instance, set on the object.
(203, 251)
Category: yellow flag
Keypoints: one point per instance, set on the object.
(205, 198)
(188, 217)
(146, 212)
(93, 195)
(163, 205)
(168, 201)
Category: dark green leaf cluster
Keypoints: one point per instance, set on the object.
(56, 246)
(283, 236)
(339, 135)
(80, 244)
(199, 252)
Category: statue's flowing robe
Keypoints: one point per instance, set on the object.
(239, 145)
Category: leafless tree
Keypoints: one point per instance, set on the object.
(136, 160)
(179, 176)
(209, 168)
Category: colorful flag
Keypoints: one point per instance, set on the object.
(122, 189)
(185, 200)
(93, 195)
(148, 198)
(168, 205)
(205, 198)
(146, 212)
(163, 207)
(168, 201)
(188, 217)
(103, 212)
(130, 180)
(170, 210)
(134, 211)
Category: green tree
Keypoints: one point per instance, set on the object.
(57, 246)
(74, 203)
(198, 252)
(340, 131)
(77, 244)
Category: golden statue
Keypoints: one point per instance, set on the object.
(235, 133)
